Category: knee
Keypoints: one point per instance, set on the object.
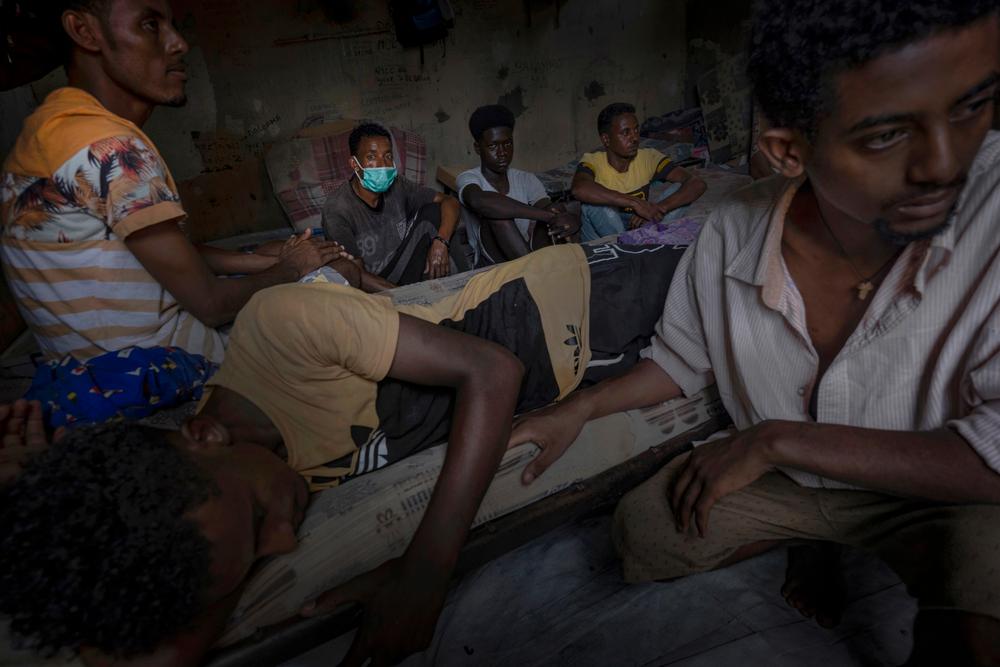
(643, 532)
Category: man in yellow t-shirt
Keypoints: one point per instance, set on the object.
(614, 184)
(321, 383)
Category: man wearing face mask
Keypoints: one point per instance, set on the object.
(400, 232)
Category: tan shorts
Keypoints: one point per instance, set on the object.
(948, 555)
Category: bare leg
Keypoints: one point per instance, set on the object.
(814, 583)
(502, 240)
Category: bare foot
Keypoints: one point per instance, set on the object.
(814, 583)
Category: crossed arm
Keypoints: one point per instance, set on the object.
(501, 211)
(189, 272)
(936, 465)
(589, 191)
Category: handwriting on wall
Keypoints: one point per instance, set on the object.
(261, 127)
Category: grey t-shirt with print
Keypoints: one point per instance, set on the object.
(373, 234)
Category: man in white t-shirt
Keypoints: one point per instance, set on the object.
(509, 203)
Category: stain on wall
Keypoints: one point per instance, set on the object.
(258, 72)
(514, 100)
(593, 90)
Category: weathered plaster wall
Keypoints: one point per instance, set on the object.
(260, 71)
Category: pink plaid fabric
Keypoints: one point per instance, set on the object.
(305, 171)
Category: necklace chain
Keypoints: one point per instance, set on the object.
(865, 285)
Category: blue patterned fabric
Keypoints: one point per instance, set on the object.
(129, 384)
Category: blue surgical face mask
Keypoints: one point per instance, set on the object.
(377, 179)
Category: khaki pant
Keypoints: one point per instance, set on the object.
(948, 555)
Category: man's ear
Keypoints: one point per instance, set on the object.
(84, 29)
(204, 432)
(477, 149)
(605, 139)
(785, 149)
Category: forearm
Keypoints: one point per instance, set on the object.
(495, 206)
(590, 192)
(690, 191)
(642, 385)
(450, 211)
(934, 465)
(354, 272)
(219, 299)
(229, 262)
(373, 283)
(476, 444)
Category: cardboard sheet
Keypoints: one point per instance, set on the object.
(355, 527)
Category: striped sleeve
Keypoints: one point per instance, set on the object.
(679, 346)
(587, 165)
(981, 393)
(663, 167)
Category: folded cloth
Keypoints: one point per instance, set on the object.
(682, 232)
(129, 384)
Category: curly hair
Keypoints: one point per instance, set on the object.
(94, 546)
(609, 113)
(363, 130)
(799, 46)
(489, 116)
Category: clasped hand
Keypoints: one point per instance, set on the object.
(305, 254)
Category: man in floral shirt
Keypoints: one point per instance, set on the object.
(92, 240)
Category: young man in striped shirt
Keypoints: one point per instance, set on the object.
(92, 241)
(848, 309)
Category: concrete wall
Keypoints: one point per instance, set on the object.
(260, 71)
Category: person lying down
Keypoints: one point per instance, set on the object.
(127, 543)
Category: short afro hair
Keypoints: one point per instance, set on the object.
(366, 129)
(94, 546)
(489, 116)
(609, 113)
(799, 46)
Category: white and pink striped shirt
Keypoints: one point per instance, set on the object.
(79, 181)
(925, 355)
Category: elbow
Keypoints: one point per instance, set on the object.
(699, 187)
(210, 313)
(213, 320)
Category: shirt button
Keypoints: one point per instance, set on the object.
(802, 391)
